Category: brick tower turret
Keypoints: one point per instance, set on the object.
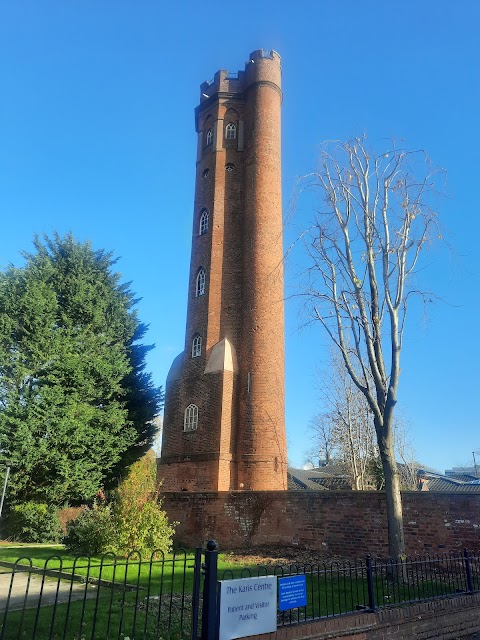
(224, 423)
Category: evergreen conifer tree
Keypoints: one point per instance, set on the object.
(76, 404)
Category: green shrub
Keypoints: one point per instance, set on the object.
(34, 522)
(92, 532)
(144, 529)
(140, 521)
(134, 520)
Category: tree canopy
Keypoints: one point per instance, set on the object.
(76, 404)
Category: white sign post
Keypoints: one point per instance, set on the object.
(248, 606)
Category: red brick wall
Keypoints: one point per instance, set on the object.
(334, 523)
(443, 619)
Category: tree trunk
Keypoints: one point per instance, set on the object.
(396, 539)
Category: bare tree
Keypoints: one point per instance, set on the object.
(345, 432)
(406, 455)
(347, 422)
(364, 249)
(324, 428)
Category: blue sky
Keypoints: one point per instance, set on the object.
(97, 137)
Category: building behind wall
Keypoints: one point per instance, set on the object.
(224, 421)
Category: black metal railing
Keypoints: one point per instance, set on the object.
(338, 588)
(177, 596)
(105, 597)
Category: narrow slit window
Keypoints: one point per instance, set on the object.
(190, 421)
(209, 138)
(203, 222)
(197, 346)
(200, 284)
(230, 131)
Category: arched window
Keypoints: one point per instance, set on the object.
(197, 346)
(203, 222)
(209, 136)
(200, 283)
(230, 131)
(190, 421)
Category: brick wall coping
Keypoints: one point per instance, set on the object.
(444, 618)
(304, 495)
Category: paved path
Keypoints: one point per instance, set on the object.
(49, 593)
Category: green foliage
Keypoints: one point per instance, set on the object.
(141, 522)
(134, 520)
(375, 471)
(76, 405)
(92, 532)
(34, 522)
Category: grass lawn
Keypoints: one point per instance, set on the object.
(150, 600)
(174, 570)
(112, 615)
(147, 601)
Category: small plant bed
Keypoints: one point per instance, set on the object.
(270, 556)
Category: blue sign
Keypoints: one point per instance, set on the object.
(292, 592)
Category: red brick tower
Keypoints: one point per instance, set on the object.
(224, 423)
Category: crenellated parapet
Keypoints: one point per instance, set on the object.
(262, 66)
